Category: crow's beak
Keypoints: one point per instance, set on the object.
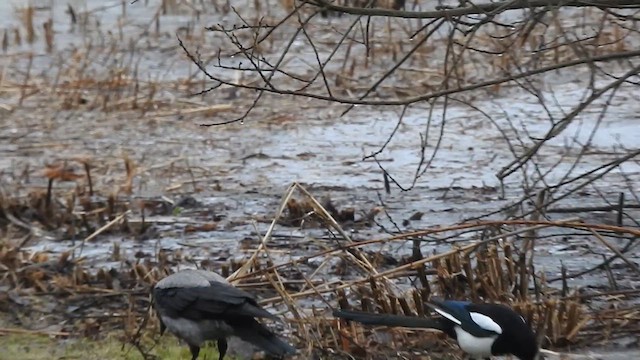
(162, 327)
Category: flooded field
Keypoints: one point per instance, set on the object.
(111, 89)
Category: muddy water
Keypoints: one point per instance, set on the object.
(254, 162)
(242, 170)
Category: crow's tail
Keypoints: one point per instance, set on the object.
(390, 320)
(257, 334)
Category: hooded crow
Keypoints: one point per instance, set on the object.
(198, 305)
(481, 330)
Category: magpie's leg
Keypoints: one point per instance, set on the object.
(222, 347)
(195, 351)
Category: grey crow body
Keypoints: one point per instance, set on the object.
(481, 330)
(198, 305)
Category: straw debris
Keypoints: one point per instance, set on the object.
(67, 291)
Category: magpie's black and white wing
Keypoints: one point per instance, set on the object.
(517, 338)
(476, 319)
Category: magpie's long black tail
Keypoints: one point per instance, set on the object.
(390, 320)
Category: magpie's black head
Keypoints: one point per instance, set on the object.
(524, 342)
(517, 338)
(527, 351)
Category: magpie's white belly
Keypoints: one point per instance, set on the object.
(197, 332)
(477, 347)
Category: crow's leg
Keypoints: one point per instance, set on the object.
(195, 351)
(222, 347)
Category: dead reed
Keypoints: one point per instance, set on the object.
(490, 267)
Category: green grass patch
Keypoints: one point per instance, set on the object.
(41, 347)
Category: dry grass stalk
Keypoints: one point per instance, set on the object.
(17, 38)
(48, 35)
(28, 14)
(484, 270)
(5, 42)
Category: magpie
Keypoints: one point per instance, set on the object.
(199, 305)
(481, 329)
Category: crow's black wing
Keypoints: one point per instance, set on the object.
(218, 300)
